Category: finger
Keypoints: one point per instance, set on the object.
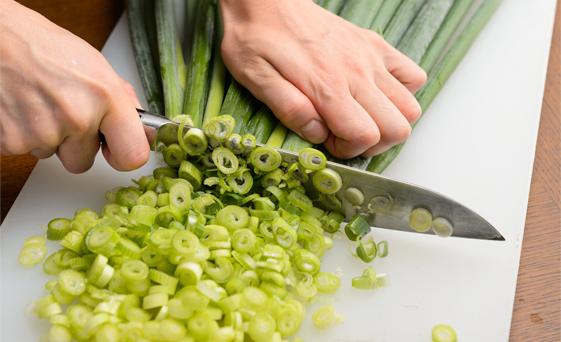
(127, 147)
(131, 93)
(42, 153)
(405, 71)
(394, 127)
(289, 104)
(400, 96)
(77, 153)
(353, 129)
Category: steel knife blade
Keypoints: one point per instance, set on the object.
(387, 202)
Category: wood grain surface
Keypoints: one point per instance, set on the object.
(537, 304)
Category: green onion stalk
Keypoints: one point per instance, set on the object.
(171, 59)
(200, 62)
(140, 42)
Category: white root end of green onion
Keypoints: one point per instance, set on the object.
(442, 227)
(420, 219)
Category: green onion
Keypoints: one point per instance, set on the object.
(240, 182)
(277, 137)
(333, 6)
(140, 41)
(33, 252)
(219, 128)
(312, 159)
(327, 283)
(198, 72)
(261, 124)
(169, 50)
(265, 159)
(102, 240)
(325, 316)
(455, 15)
(225, 160)
(357, 228)
(262, 327)
(233, 217)
(240, 104)
(382, 247)
(327, 181)
(360, 12)
(442, 227)
(380, 203)
(354, 196)
(384, 15)
(423, 29)
(191, 173)
(295, 143)
(367, 250)
(401, 20)
(443, 333)
(194, 142)
(420, 219)
(370, 280)
(218, 74)
(58, 228)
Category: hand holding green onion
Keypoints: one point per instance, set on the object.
(325, 78)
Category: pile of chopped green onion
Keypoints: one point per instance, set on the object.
(218, 244)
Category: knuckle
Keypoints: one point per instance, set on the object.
(412, 111)
(367, 137)
(295, 111)
(401, 133)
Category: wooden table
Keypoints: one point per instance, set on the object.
(537, 304)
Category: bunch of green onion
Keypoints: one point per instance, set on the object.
(220, 243)
(200, 85)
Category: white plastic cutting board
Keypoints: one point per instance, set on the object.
(475, 144)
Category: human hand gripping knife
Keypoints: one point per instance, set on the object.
(384, 202)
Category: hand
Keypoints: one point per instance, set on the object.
(325, 78)
(57, 92)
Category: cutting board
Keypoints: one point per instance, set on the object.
(475, 144)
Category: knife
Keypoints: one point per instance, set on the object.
(387, 202)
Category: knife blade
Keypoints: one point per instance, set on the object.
(387, 202)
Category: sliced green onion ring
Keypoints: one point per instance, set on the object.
(58, 228)
(382, 247)
(234, 143)
(354, 196)
(195, 142)
(380, 203)
(442, 227)
(357, 228)
(325, 316)
(173, 155)
(420, 219)
(220, 127)
(265, 158)
(225, 160)
(443, 333)
(312, 159)
(327, 181)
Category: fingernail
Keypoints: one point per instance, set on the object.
(314, 131)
